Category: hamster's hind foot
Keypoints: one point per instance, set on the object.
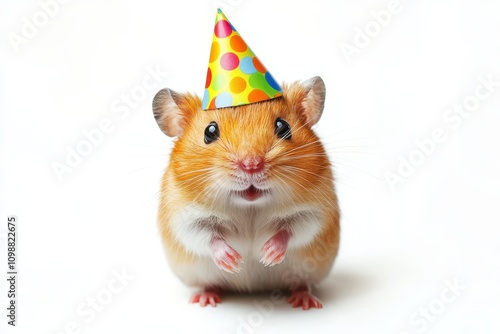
(211, 296)
(303, 297)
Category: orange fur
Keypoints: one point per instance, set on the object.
(246, 130)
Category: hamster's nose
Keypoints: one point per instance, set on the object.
(251, 164)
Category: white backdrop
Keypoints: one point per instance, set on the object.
(411, 125)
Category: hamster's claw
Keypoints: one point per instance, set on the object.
(205, 298)
(272, 255)
(302, 297)
(225, 257)
(228, 264)
(274, 250)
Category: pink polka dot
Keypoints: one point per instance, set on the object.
(229, 61)
(223, 29)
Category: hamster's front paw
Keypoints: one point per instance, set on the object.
(273, 251)
(224, 256)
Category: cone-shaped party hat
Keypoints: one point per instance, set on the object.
(235, 75)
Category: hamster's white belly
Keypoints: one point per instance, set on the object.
(253, 276)
(247, 233)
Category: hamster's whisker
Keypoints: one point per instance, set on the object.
(291, 179)
(281, 190)
(337, 162)
(170, 145)
(330, 138)
(339, 177)
(195, 171)
(143, 155)
(183, 186)
(222, 188)
(334, 162)
(320, 190)
(329, 180)
(335, 153)
(154, 165)
(301, 146)
(202, 192)
(352, 130)
(156, 195)
(207, 178)
(286, 166)
(195, 180)
(308, 155)
(186, 184)
(331, 146)
(224, 144)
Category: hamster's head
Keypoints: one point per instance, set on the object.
(257, 154)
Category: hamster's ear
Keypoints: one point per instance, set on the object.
(167, 113)
(314, 100)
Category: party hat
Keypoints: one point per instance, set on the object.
(235, 75)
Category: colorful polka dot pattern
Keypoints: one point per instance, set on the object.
(235, 75)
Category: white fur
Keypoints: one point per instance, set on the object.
(246, 228)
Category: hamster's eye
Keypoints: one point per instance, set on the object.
(282, 129)
(211, 133)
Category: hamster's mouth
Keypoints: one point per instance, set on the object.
(252, 193)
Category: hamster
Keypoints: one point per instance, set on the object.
(248, 201)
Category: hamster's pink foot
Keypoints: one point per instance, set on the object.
(302, 297)
(207, 297)
(224, 256)
(273, 251)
